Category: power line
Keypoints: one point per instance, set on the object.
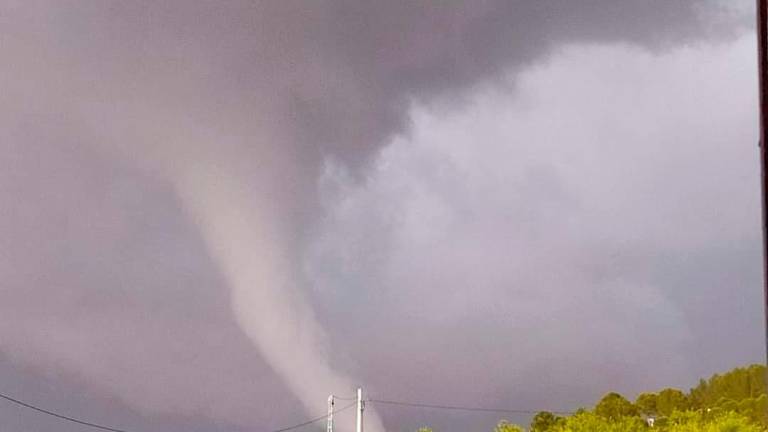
(296, 426)
(61, 416)
(316, 419)
(463, 408)
(112, 429)
(354, 398)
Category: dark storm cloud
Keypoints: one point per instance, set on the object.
(340, 74)
(158, 152)
(591, 246)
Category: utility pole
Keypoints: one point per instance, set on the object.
(360, 408)
(762, 66)
(330, 414)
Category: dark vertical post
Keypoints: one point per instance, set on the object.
(762, 65)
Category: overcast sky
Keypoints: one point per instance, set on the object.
(215, 214)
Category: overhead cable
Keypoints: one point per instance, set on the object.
(461, 408)
(113, 429)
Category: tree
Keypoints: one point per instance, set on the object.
(728, 422)
(544, 421)
(738, 384)
(646, 403)
(614, 406)
(505, 426)
(670, 400)
(591, 422)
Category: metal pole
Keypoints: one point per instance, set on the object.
(762, 65)
(330, 414)
(360, 408)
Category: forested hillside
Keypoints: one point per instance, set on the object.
(732, 402)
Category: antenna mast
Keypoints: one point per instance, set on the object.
(360, 408)
(330, 414)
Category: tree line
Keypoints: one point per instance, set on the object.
(736, 401)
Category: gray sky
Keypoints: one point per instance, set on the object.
(216, 213)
